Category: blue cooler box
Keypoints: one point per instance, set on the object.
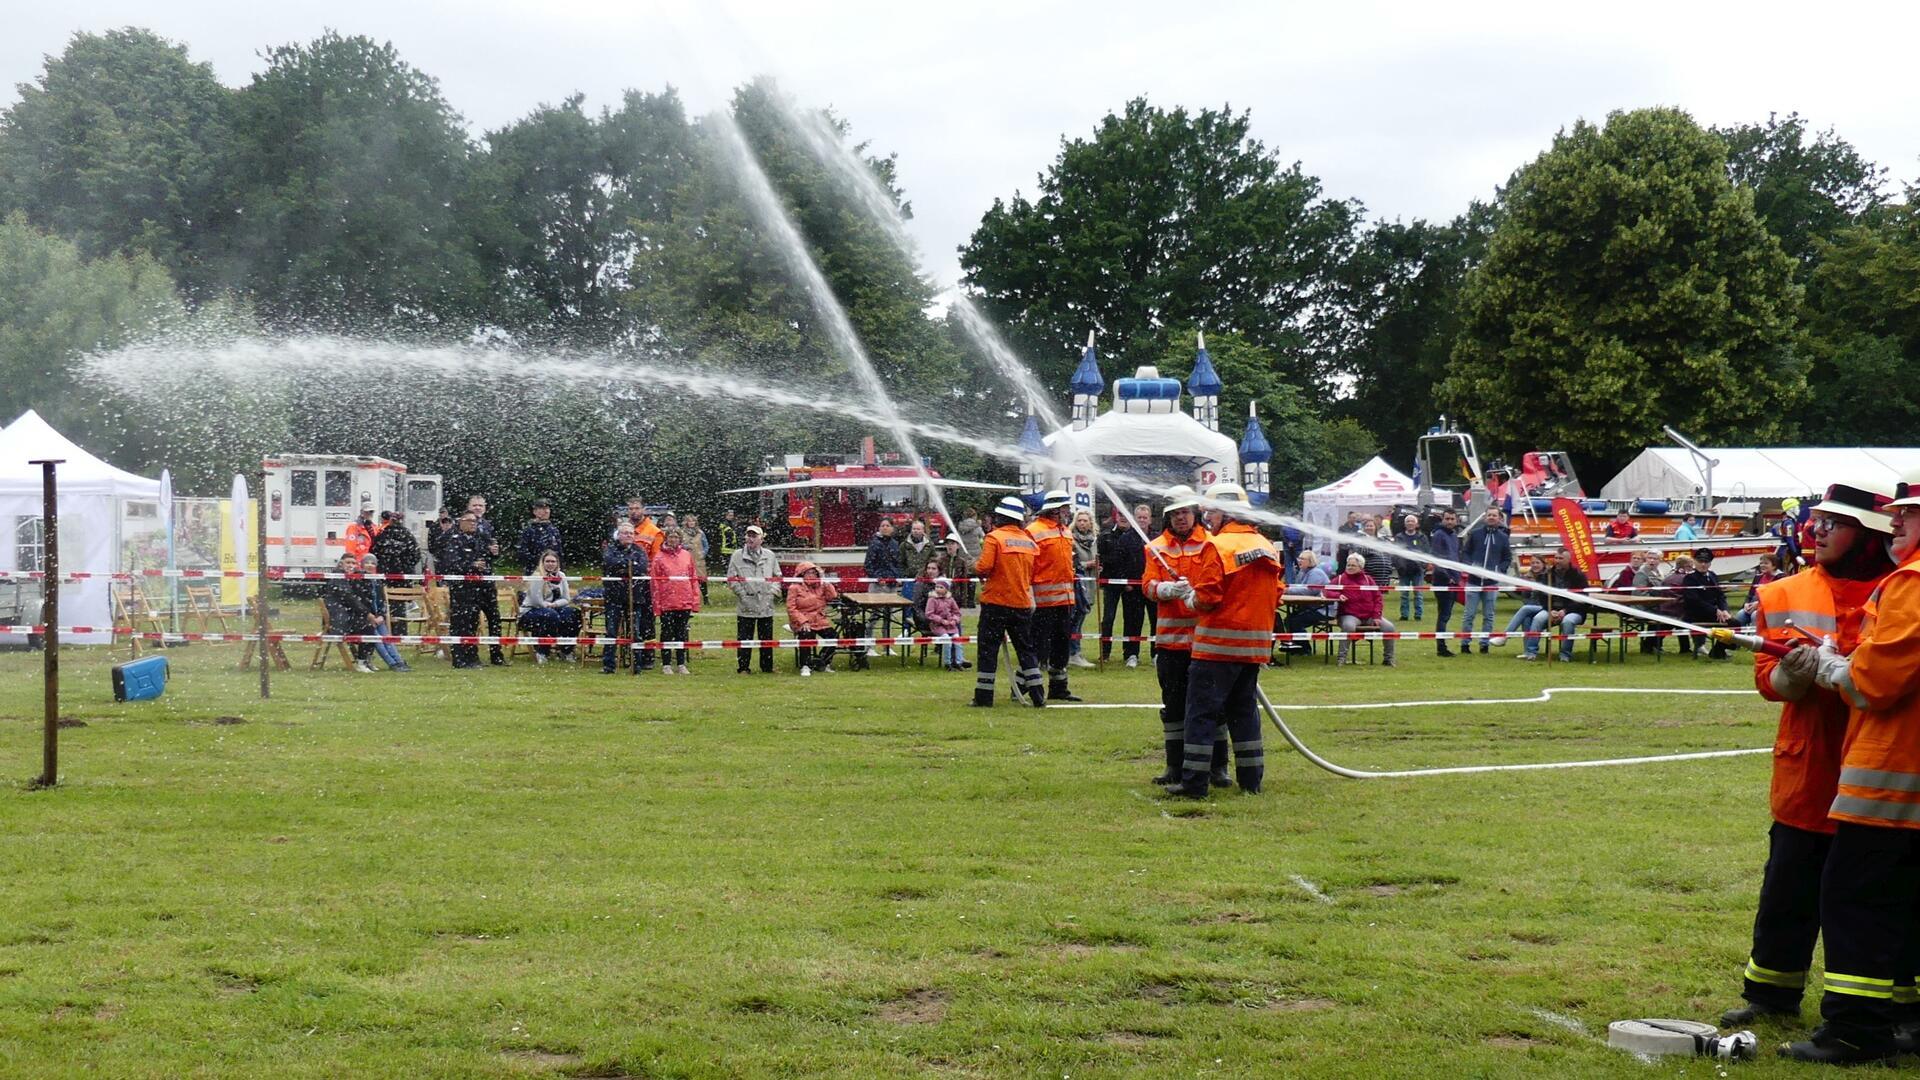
(138, 680)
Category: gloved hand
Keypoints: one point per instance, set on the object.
(1176, 590)
(1794, 674)
(1835, 672)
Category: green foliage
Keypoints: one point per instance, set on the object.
(1308, 449)
(1404, 282)
(346, 172)
(1166, 218)
(1805, 190)
(1863, 309)
(119, 147)
(1628, 284)
(56, 305)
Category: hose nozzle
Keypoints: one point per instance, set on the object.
(1725, 636)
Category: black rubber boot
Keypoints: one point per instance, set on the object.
(1219, 778)
(1250, 779)
(494, 656)
(1175, 749)
(1749, 1013)
(1191, 786)
(1443, 650)
(1038, 697)
(1057, 691)
(1826, 1050)
(982, 699)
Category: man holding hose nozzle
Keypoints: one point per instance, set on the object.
(1870, 884)
(1006, 605)
(1234, 589)
(1053, 590)
(1828, 600)
(1171, 560)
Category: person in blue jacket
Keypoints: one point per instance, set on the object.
(1489, 545)
(1444, 543)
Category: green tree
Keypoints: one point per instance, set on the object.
(1805, 188)
(1165, 218)
(567, 207)
(1405, 283)
(55, 306)
(1863, 316)
(346, 176)
(1628, 284)
(118, 146)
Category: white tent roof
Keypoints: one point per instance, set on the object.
(1374, 484)
(1143, 434)
(1669, 472)
(31, 438)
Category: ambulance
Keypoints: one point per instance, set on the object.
(312, 498)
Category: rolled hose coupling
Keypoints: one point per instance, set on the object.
(1683, 1038)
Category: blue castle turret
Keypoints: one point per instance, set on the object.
(1255, 455)
(1033, 479)
(1086, 386)
(1204, 387)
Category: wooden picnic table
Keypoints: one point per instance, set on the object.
(1629, 623)
(882, 611)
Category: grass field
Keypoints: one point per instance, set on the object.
(542, 871)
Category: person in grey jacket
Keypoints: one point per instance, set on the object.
(1488, 545)
(752, 571)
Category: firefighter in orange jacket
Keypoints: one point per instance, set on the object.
(360, 532)
(1171, 561)
(1871, 884)
(1053, 590)
(1234, 589)
(1006, 605)
(1850, 558)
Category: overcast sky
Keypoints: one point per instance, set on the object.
(1412, 108)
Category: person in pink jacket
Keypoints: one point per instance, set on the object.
(1361, 601)
(807, 601)
(943, 617)
(676, 596)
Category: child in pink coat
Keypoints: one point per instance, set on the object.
(943, 617)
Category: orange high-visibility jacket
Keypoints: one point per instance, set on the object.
(649, 536)
(1006, 561)
(1053, 565)
(1174, 621)
(1235, 589)
(1880, 774)
(359, 539)
(1813, 730)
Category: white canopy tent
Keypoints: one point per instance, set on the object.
(1669, 472)
(94, 503)
(1373, 488)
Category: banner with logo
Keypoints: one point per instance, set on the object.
(1572, 520)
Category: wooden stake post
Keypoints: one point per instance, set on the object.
(50, 621)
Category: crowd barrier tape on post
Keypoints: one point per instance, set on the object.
(292, 574)
(1544, 636)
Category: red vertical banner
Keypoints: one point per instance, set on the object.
(1572, 520)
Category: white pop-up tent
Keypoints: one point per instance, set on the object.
(1373, 488)
(96, 499)
(1669, 472)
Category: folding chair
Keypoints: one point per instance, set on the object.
(203, 604)
(320, 654)
(508, 598)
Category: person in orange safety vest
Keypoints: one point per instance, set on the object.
(1870, 885)
(1053, 590)
(1234, 589)
(1829, 600)
(1171, 560)
(360, 532)
(1006, 605)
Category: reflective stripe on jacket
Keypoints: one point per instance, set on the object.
(1052, 564)
(1236, 587)
(1880, 774)
(1006, 561)
(1174, 621)
(1808, 746)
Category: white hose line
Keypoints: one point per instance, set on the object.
(1459, 770)
(1540, 698)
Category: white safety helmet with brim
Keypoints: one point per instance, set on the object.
(1055, 499)
(1181, 497)
(1865, 502)
(1906, 492)
(1227, 491)
(1013, 507)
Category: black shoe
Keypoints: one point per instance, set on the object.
(1906, 1039)
(742, 671)
(1061, 695)
(1754, 1012)
(1220, 779)
(496, 659)
(1831, 1051)
(1038, 697)
(1171, 776)
(1184, 790)
(982, 699)
(1483, 650)
(1443, 650)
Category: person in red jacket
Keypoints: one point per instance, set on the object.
(676, 596)
(1361, 601)
(1829, 599)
